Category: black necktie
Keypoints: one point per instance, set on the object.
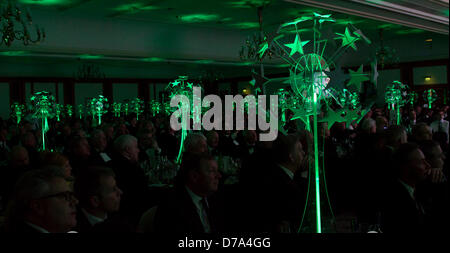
(206, 214)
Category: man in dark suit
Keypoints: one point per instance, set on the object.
(131, 179)
(278, 201)
(98, 142)
(192, 207)
(401, 210)
(99, 197)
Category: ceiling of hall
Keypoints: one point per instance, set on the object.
(217, 17)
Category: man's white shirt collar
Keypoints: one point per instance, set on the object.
(93, 219)
(288, 172)
(40, 229)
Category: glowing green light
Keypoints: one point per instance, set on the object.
(17, 111)
(80, 111)
(46, 2)
(249, 63)
(136, 107)
(348, 39)
(430, 95)
(90, 57)
(410, 31)
(388, 26)
(248, 3)
(348, 21)
(43, 104)
(445, 12)
(135, 7)
(246, 25)
(198, 18)
(69, 109)
(13, 53)
(152, 59)
(204, 61)
(99, 107)
(297, 46)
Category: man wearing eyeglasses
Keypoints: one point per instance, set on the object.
(42, 203)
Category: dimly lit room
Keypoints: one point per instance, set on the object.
(178, 117)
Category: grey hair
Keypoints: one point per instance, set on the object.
(31, 185)
(123, 142)
(96, 132)
(192, 140)
(367, 124)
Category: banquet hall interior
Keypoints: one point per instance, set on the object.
(359, 120)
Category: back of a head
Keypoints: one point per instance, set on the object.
(18, 154)
(395, 135)
(283, 146)
(193, 141)
(421, 132)
(368, 125)
(123, 142)
(52, 158)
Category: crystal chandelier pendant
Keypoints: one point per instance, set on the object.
(16, 24)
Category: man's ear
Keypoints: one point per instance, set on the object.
(193, 176)
(94, 201)
(291, 157)
(126, 151)
(37, 207)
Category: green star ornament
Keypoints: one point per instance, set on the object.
(332, 117)
(297, 46)
(356, 77)
(348, 39)
(323, 18)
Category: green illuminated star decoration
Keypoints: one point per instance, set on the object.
(117, 109)
(69, 110)
(333, 117)
(258, 82)
(430, 96)
(356, 78)
(17, 111)
(58, 111)
(80, 111)
(155, 107)
(98, 107)
(125, 108)
(43, 105)
(182, 87)
(395, 97)
(348, 39)
(314, 89)
(297, 46)
(137, 106)
(412, 97)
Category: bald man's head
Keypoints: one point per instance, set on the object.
(19, 157)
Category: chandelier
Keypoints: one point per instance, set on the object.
(14, 25)
(89, 72)
(254, 45)
(385, 55)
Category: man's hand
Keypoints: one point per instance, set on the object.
(437, 176)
